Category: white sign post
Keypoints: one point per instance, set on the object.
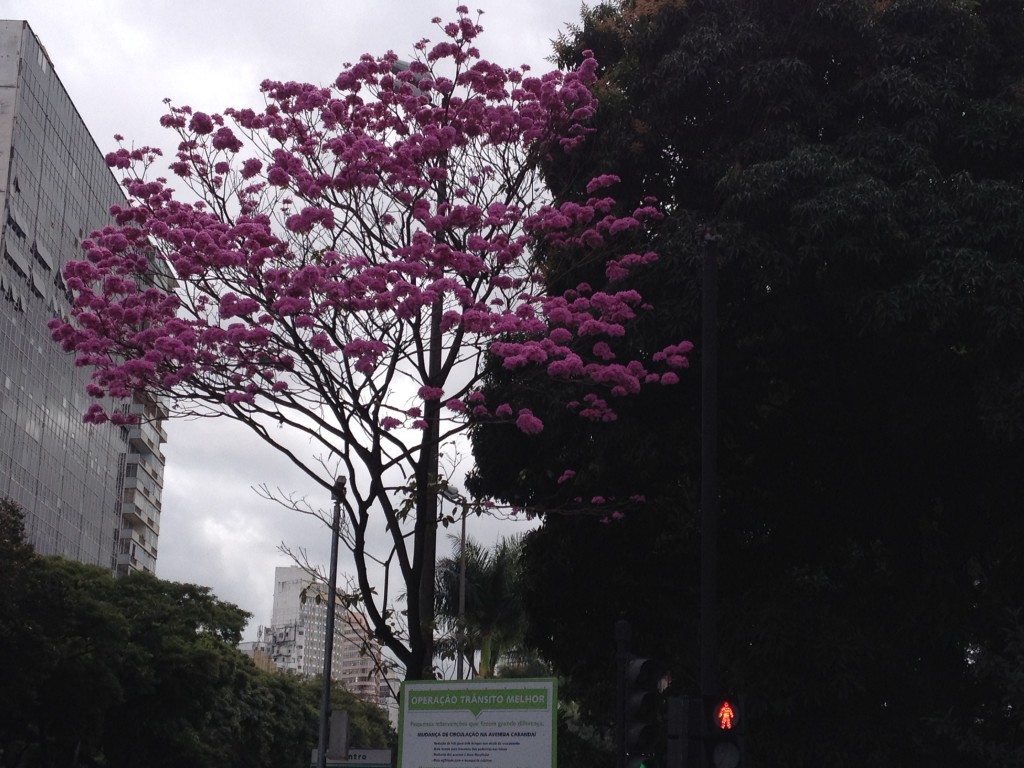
(477, 724)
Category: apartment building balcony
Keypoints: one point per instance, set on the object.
(146, 437)
(144, 485)
(141, 540)
(139, 517)
(147, 405)
(132, 557)
(150, 410)
(152, 463)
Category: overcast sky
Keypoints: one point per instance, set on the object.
(118, 60)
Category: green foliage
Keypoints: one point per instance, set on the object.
(66, 639)
(862, 166)
(368, 724)
(580, 746)
(994, 738)
(493, 622)
(139, 671)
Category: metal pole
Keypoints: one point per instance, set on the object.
(337, 492)
(459, 669)
(709, 502)
(623, 634)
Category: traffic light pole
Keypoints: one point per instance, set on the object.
(709, 503)
(622, 638)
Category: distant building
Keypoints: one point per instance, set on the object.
(296, 638)
(90, 493)
(256, 651)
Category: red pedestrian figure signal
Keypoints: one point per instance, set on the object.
(723, 731)
(725, 716)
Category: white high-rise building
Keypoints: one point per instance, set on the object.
(296, 637)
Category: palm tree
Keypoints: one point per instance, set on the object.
(493, 622)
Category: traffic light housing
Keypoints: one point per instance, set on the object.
(642, 705)
(723, 731)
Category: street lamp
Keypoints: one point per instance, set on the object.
(337, 494)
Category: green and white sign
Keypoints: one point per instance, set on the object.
(477, 724)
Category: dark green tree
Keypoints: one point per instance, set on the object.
(62, 639)
(139, 671)
(179, 660)
(861, 166)
(18, 637)
(368, 724)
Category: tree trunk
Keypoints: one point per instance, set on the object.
(486, 646)
(421, 615)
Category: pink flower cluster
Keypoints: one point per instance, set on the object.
(349, 234)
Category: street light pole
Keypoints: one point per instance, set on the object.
(462, 595)
(337, 493)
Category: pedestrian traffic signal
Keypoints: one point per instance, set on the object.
(642, 704)
(723, 731)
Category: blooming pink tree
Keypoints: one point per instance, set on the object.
(350, 256)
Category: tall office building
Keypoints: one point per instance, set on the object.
(90, 493)
(296, 637)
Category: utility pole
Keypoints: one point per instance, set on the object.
(337, 493)
(622, 638)
(462, 596)
(709, 501)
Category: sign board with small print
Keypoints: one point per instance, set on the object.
(477, 724)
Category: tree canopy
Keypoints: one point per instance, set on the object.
(135, 671)
(861, 167)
